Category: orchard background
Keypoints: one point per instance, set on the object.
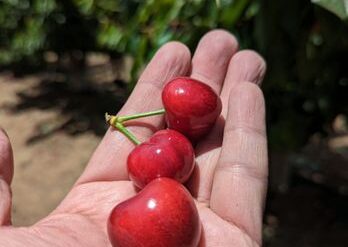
(64, 63)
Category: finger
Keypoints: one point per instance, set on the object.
(209, 65)
(240, 178)
(245, 65)
(108, 161)
(211, 58)
(6, 173)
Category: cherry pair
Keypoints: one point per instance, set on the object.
(163, 213)
(191, 108)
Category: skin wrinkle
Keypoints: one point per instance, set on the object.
(233, 229)
(240, 212)
(252, 112)
(243, 59)
(36, 231)
(244, 129)
(108, 195)
(90, 212)
(23, 237)
(210, 159)
(237, 223)
(48, 227)
(255, 219)
(244, 143)
(243, 170)
(247, 237)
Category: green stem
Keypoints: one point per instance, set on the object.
(140, 115)
(127, 133)
(113, 121)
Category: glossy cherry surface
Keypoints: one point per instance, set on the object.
(166, 154)
(163, 214)
(192, 107)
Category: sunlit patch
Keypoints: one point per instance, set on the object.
(181, 91)
(151, 204)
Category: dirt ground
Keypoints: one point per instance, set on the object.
(45, 169)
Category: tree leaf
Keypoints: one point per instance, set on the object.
(338, 7)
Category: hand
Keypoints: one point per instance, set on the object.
(229, 181)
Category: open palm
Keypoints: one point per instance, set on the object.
(230, 178)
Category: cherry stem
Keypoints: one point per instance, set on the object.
(117, 122)
(127, 133)
(112, 120)
(140, 115)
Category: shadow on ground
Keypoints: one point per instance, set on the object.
(80, 103)
(308, 214)
(308, 196)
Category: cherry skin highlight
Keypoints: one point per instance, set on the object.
(166, 154)
(192, 107)
(163, 214)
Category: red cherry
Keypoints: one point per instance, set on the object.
(166, 154)
(192, 107)
(163, 214)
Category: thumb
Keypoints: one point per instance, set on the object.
(6, 174)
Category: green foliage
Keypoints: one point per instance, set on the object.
(305, 46)
(141, 27)
(28, 27)
(22, 30)
(338, 7)
(306, 85)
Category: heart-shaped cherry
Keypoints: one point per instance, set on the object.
(192, 107)
(163, 214)
(166, 154)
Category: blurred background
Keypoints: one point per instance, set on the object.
(64, 63)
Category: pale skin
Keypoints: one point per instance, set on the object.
(230, 179)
